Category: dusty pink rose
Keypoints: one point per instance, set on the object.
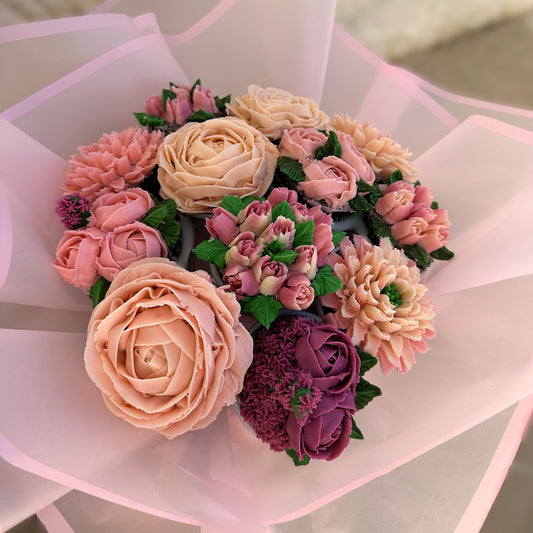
(255, 217)
(240, 280)
(355, 158)
(306, 262)
(222, 225)
(282, 194)
(243, 250)
(331, 179)
(301, 143)
(437, 233)
(270, 274)
(76, 256)
(281, 230)
(202, 99)
(126, 245)
(166, 348)
(296, 293)
(396, 202)
(409, 231)
(322, 240)
(112, 210)
(117, 161)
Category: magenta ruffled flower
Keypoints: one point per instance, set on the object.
(74, 210)
(117, 161)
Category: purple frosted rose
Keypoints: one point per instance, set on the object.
(329, 356)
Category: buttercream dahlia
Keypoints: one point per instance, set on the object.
(117, 161)
(383, 154)
(383, 305)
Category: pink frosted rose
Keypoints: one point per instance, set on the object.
(166, 348)
(301, 143)
(76, 256)
(281, 230)
(126, 245)
(240, 280)
(255, 217)
(330, 179)
(270, 275)
(436, 235)
(112, 210)
(322, 239)
(296, 293)
(396, 202)
(355, 158)
(423, 196)
(409, 231)
(243, 250)
(222, 225)
(202, 99)
(282, 194)
(306, 262)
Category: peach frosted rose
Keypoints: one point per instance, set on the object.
(382, 306)
(203, 162)
(166, 347)
(273, 110)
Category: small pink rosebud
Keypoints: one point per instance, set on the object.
(322, 239)
(422, 211)
(296, 293)
(437, 233)
(256, 217)
(306, 263)
(222, 225)
(300, 212)
(202, 99)
(281, 230)
(282, 194)
(270, 275)
(243, 250)
(154, 106)
(241, 281)
(409, 231)
(423, 196)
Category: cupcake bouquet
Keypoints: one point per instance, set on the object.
(310, 236)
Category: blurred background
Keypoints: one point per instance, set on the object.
(477, 48)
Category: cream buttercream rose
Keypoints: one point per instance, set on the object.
(272, 111)
(166, 347)
(203, 162)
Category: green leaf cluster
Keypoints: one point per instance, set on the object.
(163, 218)
(294, 456)
(98, 291)
(212, 251)
(291, 168)
(332, 147)
(365, 392)
(152, 121)
(326, 282)
(417, 254)
(234, 204)
(264, 308)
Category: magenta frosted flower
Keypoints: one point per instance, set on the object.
(299, 393)
(117, 161)
(74, 210)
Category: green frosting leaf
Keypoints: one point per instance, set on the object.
(360, 205)
(303, 233)
(152, 121)
(171, 232)
(275, 247)
(222, 102)
(417, 254)
(392, 292)
(200, 116)
(296, 401)
(287, 257)
(337, 237)
(167, 94)
(283, 209)
(291, 168)
(367, 361)
(212, 251)
(233, 204)
(294, 456)
(442, 254)
(364, 187)
(434, 205)
(365, 392)
(191, 92)
(356, 432)
(381, 228)
(332, 147)
(98, 291)
(155, 216)
(263, 307)
(395, 176)
(416, 183)
(326, 282)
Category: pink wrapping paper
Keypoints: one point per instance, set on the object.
(479, 364)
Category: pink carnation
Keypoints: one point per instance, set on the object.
(117, 161)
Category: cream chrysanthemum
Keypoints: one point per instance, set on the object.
(382, 153)
(383, 305)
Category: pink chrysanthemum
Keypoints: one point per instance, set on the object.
(383, 305)
(117, 161)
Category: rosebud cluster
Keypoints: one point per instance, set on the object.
(274, 248)
(414, 216)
